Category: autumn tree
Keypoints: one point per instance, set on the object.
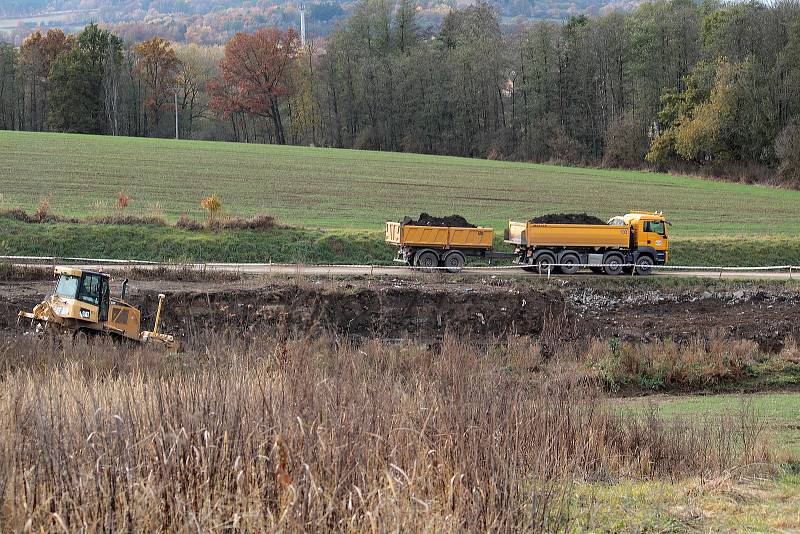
(37, 55)
(306, 112)
(198, 66)
(254, 77)
(158, 66)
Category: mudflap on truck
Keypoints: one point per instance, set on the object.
(404, 255)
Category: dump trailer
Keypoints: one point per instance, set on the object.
(82, 305)
(439, 246)
(632, 242)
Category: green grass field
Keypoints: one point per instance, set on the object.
(734, 502)
(779, 412)
(345, 191)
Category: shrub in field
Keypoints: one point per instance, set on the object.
(42, 212)
(188, 224)
(119, 218)
(213, 205)
(279, 433)
(260, 221)
(122, 201)
(18, 214)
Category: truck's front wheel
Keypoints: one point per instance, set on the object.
(644, 265)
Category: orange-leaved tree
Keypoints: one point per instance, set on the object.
(213, 205)
(157, 67)
(254, 76)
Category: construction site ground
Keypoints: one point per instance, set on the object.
(427, 306)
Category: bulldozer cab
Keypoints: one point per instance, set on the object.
(87, 287)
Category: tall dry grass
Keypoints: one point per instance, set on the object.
(319, 434)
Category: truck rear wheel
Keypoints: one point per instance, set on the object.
(570, 263)
(644, 265)
(544, 263)
(613, 264)
(426, 260)
(454, 261)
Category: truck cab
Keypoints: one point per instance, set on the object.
(648, 233)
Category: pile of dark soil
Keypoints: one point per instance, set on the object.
(430, 220)
(567, 218)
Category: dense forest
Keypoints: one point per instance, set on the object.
(216, 21)
(711, 88)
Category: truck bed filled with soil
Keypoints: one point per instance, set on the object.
(567, 218)
(429, 220)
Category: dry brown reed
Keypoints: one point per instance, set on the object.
(698, 362)
(230, 222)
(319, 434)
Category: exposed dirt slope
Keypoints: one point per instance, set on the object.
(395, 308)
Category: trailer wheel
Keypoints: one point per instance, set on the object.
(570, 263)
(644, 265)
(454, 261)
(544, 263)
(426, 260)
(613, 264)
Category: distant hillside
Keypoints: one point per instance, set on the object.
(215, 21)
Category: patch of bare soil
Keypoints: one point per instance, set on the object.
(481, 309)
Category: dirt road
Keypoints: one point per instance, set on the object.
(399, 270)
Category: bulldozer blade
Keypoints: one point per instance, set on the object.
(166, 341)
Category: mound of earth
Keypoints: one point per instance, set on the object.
(430, 220)
(567, 218)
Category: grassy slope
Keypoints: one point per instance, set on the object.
(724, 504)
(167, 243)
(780, 412)
(345, 190)
(161, 243)
(316, 187)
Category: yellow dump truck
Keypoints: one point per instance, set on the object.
(635, 241)
(438, 246)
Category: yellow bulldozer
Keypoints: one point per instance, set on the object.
(82, 304)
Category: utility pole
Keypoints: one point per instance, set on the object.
(176, 114)
(303, 25)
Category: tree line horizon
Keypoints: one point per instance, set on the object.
(710, 88)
